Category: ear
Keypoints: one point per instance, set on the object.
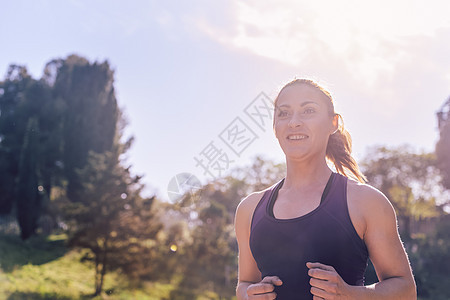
(335, 123)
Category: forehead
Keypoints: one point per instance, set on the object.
(298, 94)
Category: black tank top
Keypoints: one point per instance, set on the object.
(282, 247)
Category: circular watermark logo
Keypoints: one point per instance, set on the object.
(182, 185)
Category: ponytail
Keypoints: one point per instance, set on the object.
(339, 149)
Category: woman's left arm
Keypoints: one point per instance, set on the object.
(372, 209)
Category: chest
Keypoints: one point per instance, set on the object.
(289, 205)
(293, 205)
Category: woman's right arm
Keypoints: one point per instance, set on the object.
(250, 285)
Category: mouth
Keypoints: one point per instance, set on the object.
(296, 137)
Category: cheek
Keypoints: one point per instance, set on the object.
(276, 128)
(279, 128)
(276, 132)
(323, 130)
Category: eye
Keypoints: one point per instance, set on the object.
(283, 113)
(309, 110)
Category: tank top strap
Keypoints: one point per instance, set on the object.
(260, 209)
(275, 193)
(337, 209)
(336, 198)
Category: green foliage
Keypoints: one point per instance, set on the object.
(24, 98)
(443, 145)
(28, 198)
(91, 113)
(111, 219)
(13, 124)
(409, 180)
(430, 259)
(209, 252)
(77, 154)
(260, 174)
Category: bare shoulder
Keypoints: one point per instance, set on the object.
(249, 203)
(246, 207)
(369, 201)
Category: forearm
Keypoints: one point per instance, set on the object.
(395, 288)
(241, 290)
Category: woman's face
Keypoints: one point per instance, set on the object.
(302, 121)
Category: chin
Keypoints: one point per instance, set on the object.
(292, 154)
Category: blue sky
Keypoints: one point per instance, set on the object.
(185, 70)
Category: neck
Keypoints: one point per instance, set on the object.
(301, 174)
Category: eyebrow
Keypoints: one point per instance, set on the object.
(303, 104)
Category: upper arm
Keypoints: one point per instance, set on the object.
(247, 269)
(381, 235)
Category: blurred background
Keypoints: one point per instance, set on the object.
(129, 132)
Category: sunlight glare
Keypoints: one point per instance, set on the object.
(364, 36)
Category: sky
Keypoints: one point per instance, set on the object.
(194, 78)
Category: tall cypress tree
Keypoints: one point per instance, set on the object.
(12, 130)
(23, 98)
(91, 114)
(28, 198)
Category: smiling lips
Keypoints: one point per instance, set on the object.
(297, 137)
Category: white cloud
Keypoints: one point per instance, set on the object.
(361, 36)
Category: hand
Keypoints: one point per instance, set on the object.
(326, 283)
(264, 288)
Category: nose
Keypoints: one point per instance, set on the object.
(295, 121)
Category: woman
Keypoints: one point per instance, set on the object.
(310, 235)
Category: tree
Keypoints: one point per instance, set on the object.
(443, 145)
(208, 255)
(430, 260)
(28, 197)
(262, 173)
(23, 98)
(107, 214)
(111, 219)
(91, 112)
(408, 179)
(12, 131)
(207, 261)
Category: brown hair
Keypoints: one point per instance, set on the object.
(339, 147)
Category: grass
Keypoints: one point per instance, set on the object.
(43, 268)
(36, 251)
